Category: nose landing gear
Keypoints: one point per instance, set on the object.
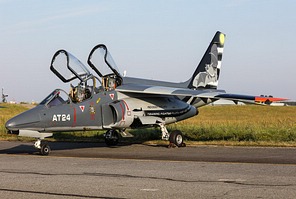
(43, 147)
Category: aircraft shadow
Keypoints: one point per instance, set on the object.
(20, 149)
(81, 145)
(28, 148)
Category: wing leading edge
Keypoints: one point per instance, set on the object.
(162, 90)
(212, 94)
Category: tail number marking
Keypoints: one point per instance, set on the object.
(61, 117)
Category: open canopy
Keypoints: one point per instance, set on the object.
(67, 67)
(101, 61)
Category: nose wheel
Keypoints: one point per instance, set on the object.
(43, 147)
(45, 150)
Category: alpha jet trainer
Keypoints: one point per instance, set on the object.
(108, 100)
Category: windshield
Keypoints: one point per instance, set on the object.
(101, 61)
(55, 98)
(67, 67)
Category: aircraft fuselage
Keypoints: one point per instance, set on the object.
(104, 110)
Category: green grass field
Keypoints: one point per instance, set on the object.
(242, 124)
(228, 125)
(6, 112)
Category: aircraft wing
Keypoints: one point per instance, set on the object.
(162, 90)
(200, 93)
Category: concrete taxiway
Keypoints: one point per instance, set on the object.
(91, 170)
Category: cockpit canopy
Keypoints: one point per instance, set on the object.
(55, 98)
(67, 67)
(101, 61)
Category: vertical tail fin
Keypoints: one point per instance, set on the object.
(207, 72)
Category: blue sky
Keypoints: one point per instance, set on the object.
(161, 40)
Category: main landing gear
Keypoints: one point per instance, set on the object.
(111, 137)
(43, 147)
(175, 137)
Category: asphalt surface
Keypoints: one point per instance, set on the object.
(92, 170)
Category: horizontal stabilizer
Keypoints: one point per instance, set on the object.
(250, 98)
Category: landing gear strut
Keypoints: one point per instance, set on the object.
(111, 137)
(43, 147)
(175, 137)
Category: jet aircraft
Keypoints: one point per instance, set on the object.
(106, 99)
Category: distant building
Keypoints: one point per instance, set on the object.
(290, 103)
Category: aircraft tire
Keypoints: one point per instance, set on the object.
(45, 149)
(111, 137)
(176, 138)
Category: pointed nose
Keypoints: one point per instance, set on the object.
(10, 124)
(26, 120)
